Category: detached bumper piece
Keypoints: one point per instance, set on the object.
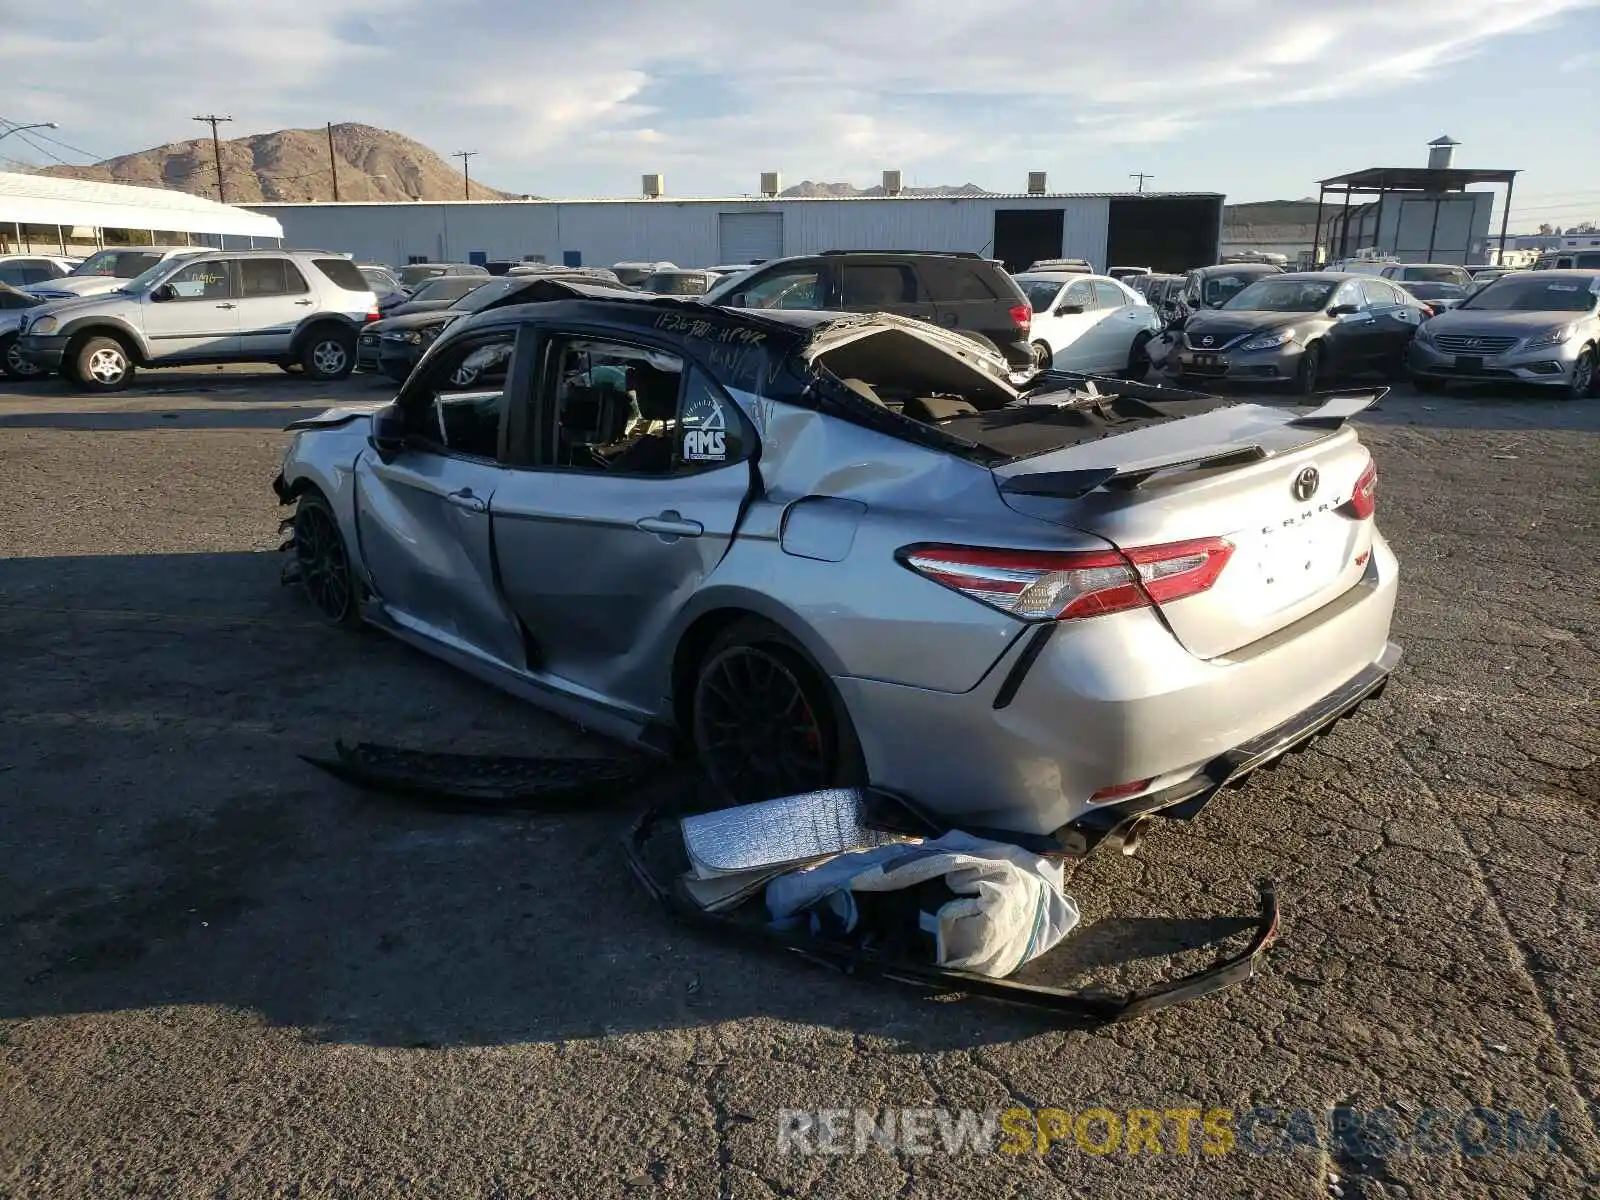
(484, 781)
(1090, 1007)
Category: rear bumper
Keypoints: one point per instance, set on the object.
(45, 352)
(1117, 699)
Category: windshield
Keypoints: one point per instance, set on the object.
(377, 276)
(1041, 293)
(1221, 289)
(1516, 293)
(487, 294)
(117, 264)
(1284, 295)
(1434, 274)
(1435, 291)
(447, 287)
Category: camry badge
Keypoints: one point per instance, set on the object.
(1305, 484)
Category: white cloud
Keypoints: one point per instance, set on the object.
(548, 91)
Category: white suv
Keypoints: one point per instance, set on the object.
(301, 309)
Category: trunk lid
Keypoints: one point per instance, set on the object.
(1229, 473)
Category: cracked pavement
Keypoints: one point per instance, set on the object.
(227, 975)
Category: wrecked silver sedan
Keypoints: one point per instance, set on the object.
(813, 549)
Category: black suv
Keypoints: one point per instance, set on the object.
(958, 290)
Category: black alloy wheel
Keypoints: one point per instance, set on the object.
(324, 565)
(765, 724)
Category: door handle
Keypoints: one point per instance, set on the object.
(670, 525)
(465, 499)
(227, 306)
(304, 303)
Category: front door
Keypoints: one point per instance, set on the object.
(423, 518)
(638, 484)
(273, 299)
(199, 318)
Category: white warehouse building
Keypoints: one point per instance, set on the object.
(1163, 231)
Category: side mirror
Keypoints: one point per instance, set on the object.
(1068, 310)
(388, 436)
(164, 293)
(1344, 310)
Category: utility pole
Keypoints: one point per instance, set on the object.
(466, 179)
(1141, 176)
(216, 150)
(333, 164)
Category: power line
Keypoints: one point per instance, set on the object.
(216, 150)
(55, 140)
(42, 150)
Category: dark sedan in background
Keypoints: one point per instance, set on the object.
(1301, 329)
(434, 294)
(394, 344)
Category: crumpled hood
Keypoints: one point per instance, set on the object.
(915, 353)
(341, 415)
(419, 306)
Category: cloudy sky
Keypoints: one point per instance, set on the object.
(1255, 98)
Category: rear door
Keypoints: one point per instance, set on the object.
(1121, 321)
(274, 298)
(422, 518)
(637, 475)
(1295, 545)
(1396, 315)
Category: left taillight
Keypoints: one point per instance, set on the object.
(1364, 499)
(1022, 317)
(1064, 586)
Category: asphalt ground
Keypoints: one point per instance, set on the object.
(225, 974)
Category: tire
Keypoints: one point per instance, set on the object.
(1309, 371)
(328, 353)
(102, 364)
(12, 365)
(1584, 375)
(1138, 360)
(752, 677)
(1427, 385)
(324, 562)
(1043, 356)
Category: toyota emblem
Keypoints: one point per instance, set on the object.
(1207, 340)
(1305, 483)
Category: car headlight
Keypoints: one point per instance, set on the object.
(1270, 341)
(1552, 337)
(42, 325)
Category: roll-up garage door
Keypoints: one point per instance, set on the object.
(750, 236)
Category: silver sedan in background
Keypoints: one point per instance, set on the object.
(1540, 327)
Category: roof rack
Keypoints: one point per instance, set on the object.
(943, 253)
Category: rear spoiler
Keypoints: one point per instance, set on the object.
(1337, 409)
(1069, 485)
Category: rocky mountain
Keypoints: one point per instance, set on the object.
(292, 164)
(806, 190)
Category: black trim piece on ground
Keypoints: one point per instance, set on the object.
(1092, 1006)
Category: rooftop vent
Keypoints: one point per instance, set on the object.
(891, 183)
(771, 183)
(1441, 153)
(1036, 185)
(655, 186)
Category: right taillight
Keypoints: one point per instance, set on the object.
(1364, 500)
(1067, 585)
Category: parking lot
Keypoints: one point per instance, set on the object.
(228, 974)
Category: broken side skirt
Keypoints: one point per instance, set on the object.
(1091, 1006)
